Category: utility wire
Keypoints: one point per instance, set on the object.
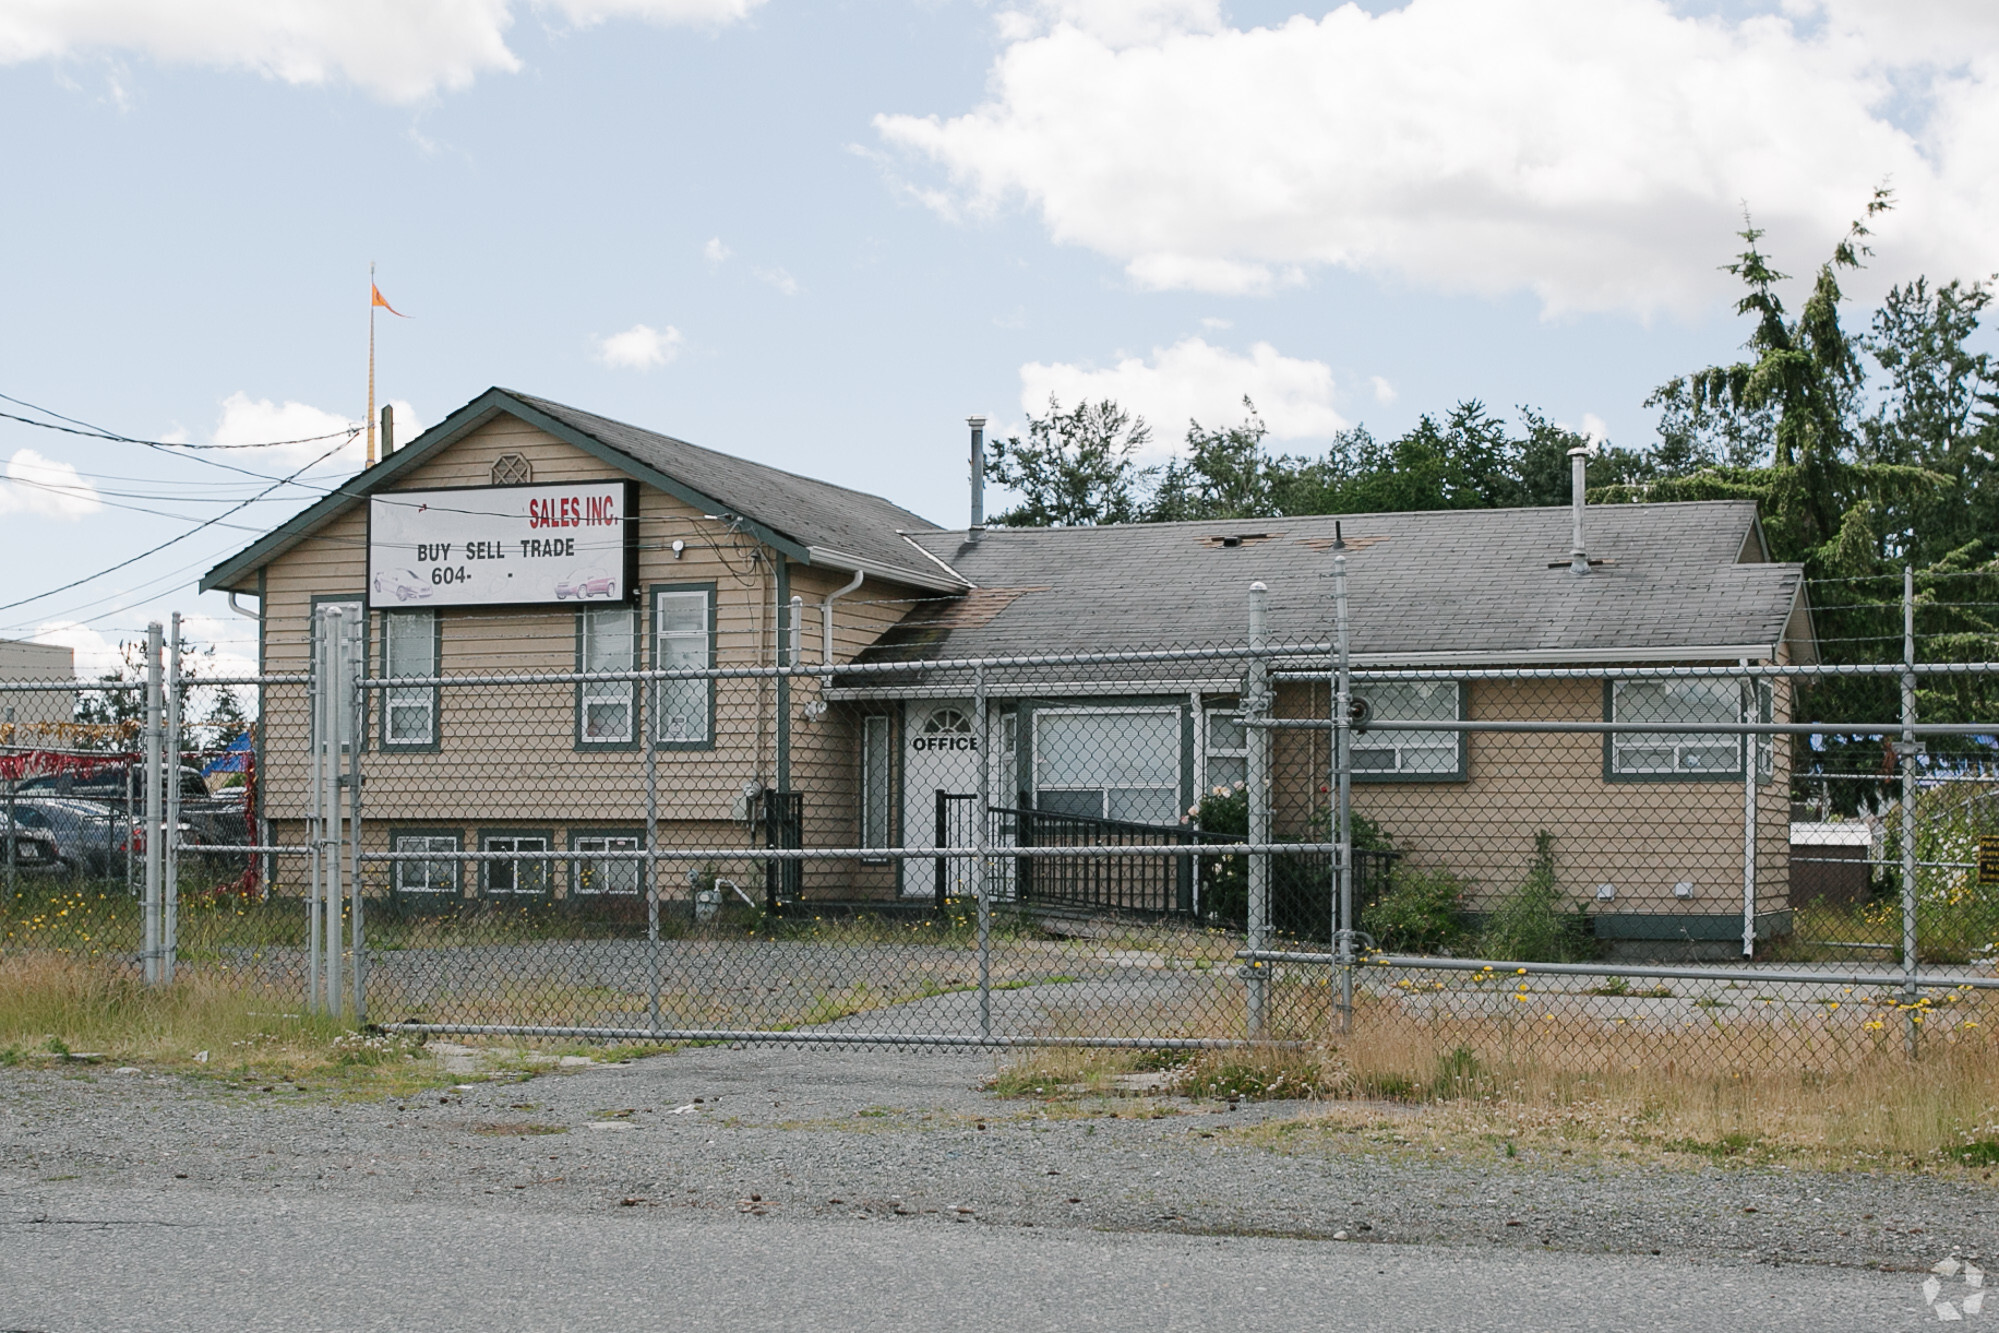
(101, 433)
(209, 523)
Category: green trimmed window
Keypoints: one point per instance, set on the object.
(1384, 753)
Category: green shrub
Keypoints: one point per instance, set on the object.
(1534, 923)
(1422, 911)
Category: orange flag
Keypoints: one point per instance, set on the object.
(378, 300)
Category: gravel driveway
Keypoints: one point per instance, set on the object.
(909, 1139)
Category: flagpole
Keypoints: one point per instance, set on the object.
(371, 364)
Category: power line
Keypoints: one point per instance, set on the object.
(209, 523)
(85, 428)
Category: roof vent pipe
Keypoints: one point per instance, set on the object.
(1578, 466)
(978, 523)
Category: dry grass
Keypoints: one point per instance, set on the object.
(56, 1010)
(1743, 1090)
(1829, 1087)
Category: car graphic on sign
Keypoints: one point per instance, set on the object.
(585, 584)
(404, 584)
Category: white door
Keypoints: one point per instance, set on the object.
(940, 753)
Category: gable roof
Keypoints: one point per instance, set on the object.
(811, 521)
(1455, 587)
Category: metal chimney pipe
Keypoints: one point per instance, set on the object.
(978, 523)
(1578, 465)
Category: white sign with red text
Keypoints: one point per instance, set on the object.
(495, 545)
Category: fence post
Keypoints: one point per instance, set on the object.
(1343, 923)
(170, 838)
(1255, 707)
(316, 805)
(13, 839)
(981, 841)
(352, 693)
(644, 698)
(336, 678)
(1907, 753)
(1749, 743)
(154, 849)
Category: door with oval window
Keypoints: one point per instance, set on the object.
(940, 754)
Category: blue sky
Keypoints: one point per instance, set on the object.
(739, 223)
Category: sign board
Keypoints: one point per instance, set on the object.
(503, 545)
(1988, 860)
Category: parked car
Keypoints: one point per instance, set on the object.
(34, 849)
(88, 837)
(109, 786)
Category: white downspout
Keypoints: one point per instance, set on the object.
(247, 615)
(826, 618)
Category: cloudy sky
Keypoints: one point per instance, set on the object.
(822, 235)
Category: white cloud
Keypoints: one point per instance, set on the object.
(396, 49)
(399, 50)
(247, 420)
(1594, 429)
(778, 278)
(1596, 153)
(1384, 392)
(641, 347)
(233, 638)
(715, 252)
(1193, 379)
(1115, 22)
(46, 487)
(693, 13)
(93, 654)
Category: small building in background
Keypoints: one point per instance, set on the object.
(23, 661)
(1829, 862)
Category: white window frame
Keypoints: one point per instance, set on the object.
(426, 885)
(535, 870)
(670, 648)
(1209, 751)
(590, 872)
(606, 693)
(421, 700)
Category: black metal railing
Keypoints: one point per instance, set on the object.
(782, 814)
(1210, 885)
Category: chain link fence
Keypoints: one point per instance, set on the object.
(609, 831)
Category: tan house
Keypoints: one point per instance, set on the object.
(521, 536)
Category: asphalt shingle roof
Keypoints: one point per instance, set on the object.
(811, 512)
(824, 520)
(1461, 585)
